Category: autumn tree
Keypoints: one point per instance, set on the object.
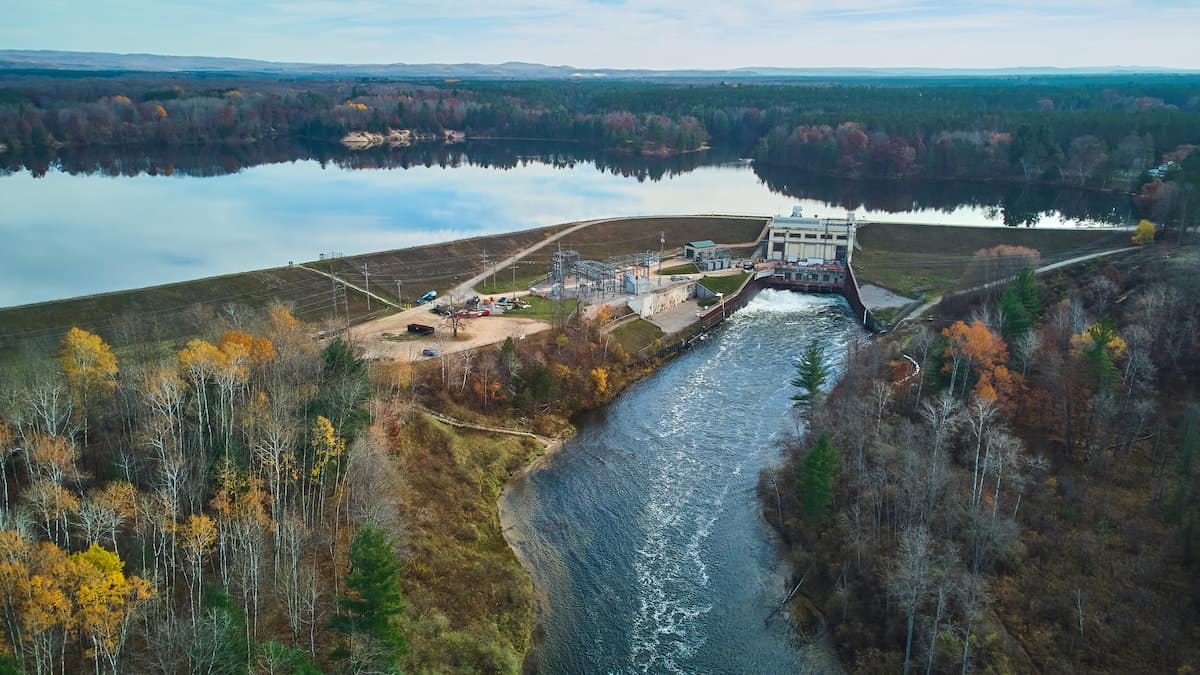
(106, 602)
(90, 366)
(1000, 262)
(975, 346)
(1099, 347)
(1144, 234)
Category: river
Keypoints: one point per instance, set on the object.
(87, 223)
(644, 533)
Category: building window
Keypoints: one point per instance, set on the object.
(810, 236)
(777, 247)
(841, 237)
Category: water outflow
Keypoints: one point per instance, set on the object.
(644, 533)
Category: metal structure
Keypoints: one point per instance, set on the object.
(597, 277)
(562, 265)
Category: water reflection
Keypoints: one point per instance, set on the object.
(94, 220)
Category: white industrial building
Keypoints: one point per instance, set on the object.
(797, 239)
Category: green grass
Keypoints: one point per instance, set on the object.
(545, 309)
(688, 268)
(635, 235)
(528, 274)
(724, 284)
(637, 335)
(910, 259)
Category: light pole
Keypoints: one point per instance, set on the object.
(721, 301)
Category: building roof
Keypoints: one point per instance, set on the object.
(703, 243)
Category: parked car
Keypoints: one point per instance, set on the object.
(429, 351)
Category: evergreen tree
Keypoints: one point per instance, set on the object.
(811, 374)
(1030, 293)
(1016, 318)
(815, 481)
(372, 603)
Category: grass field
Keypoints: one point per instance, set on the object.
(636, 335)
(545, 309)
(726, 284)
(911, 259)
(528, 273)
(636, 235)
(688, 268)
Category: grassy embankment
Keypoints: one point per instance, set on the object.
(637, 335)
(471, 601)
(687, 268)
(173, 311)
(724, 284)
(911, 259)
(625, 236)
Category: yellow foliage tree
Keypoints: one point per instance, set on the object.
(196, 537)
(600, 381)
(90, 367)
(160, 112)
(326, 445)
(106, 602)
(1145, 233)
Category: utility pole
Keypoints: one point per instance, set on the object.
(367, 285)
(484, 260)
(513, 267)
(346, 295)
(333, 285)
(662, 242)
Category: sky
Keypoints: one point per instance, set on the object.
(628, 33)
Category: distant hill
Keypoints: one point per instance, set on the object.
(18, 59)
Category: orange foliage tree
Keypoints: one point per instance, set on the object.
(977, 347)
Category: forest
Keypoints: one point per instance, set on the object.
(251, 500)
(1012, 487)
(1099, 132)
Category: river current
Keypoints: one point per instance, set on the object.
(644, 533)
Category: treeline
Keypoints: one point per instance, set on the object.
(222, 159)
(1025, 502)
(1094, 131)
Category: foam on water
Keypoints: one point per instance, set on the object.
(668, 565)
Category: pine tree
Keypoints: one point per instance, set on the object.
(1016, 318)
(811, 374)
(372, 602)
(815, 481)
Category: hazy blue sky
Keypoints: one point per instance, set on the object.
(627, 33)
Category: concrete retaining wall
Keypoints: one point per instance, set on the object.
(854, 297)
(652, 303)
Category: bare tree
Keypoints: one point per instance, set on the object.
(910, 580)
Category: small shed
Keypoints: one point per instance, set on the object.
(699, 250)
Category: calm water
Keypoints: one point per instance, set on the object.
(89, 225)
(644, 533)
